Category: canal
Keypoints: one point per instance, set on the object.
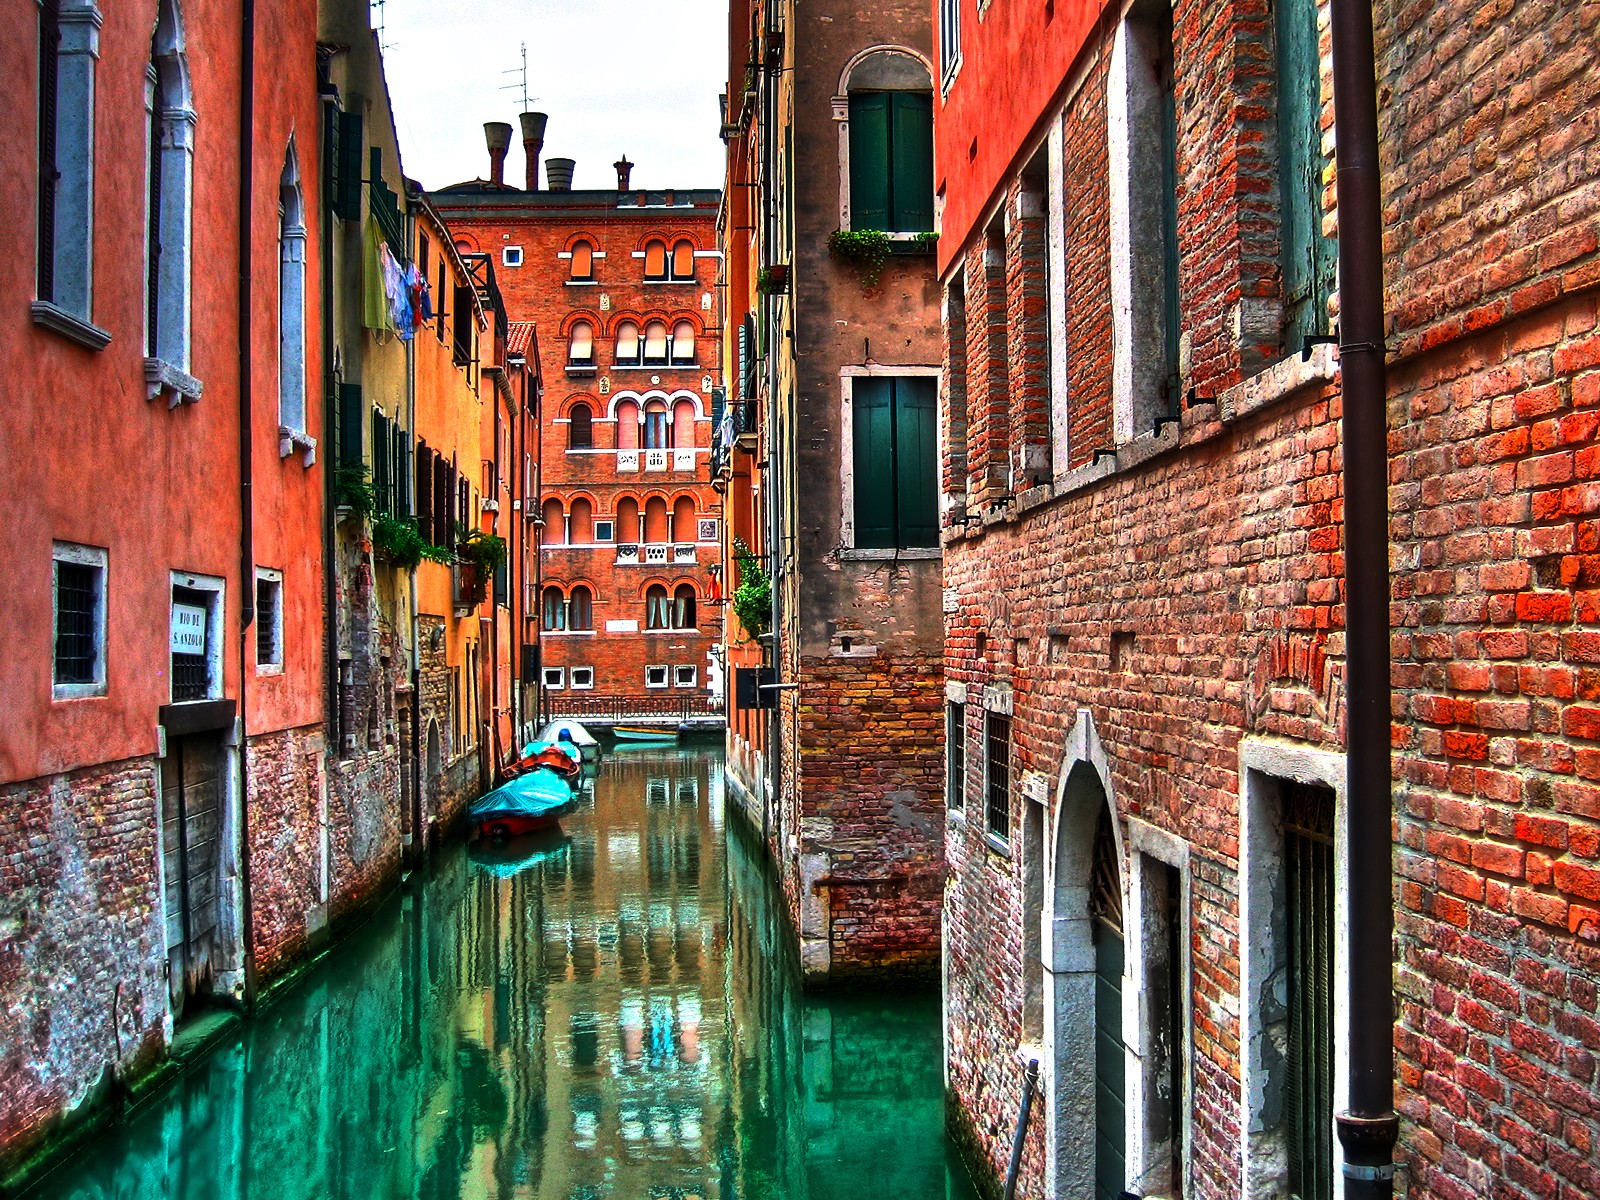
(607, 1012)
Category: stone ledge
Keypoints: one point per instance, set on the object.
(161, 376)
(1279, 381)
(919, 554)
(290, 440)
(74, 329)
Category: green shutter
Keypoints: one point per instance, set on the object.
(873, 415)
(916, 423)
(869, 160)
(347, 185)
(381, 449)
(350, 412)
(911, 144)
(1308, 257)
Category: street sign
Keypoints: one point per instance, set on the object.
(188, 635)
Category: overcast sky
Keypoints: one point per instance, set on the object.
(634, 77)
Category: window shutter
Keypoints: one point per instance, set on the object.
(1308, 257)
(347, 180)
(869, 160)
(441, 503)
(462, 330)
(350, 411)
(402, 473)
(911, 142)
(916, 415)
(381, 448)
(425, 491)
(873, 412)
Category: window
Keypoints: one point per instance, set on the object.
(555, 522)
(605, 531)
(895, 445)
(291, 303)
(628, 345)
(891, 150)
(580, 428)
(580, 522)
(1308, 258)
(949, 37)
(683, 614)
(683, 419)
(68, 48)
(555, 678)
(580, 345)
(511, 256)
(1308, 884)
(269, 621)
(682, 528)
(655, 344)
(170, 245)
(955, 755)
(683, 677)
(555, 609)
(79, 667)
(655, 260)
(683, 260)
(582, 677)
(997, 775)
(582, 260)
(655, 677)
(683, 343)
(657, 608)
(196, 638)
(580, 609)
(657, 427)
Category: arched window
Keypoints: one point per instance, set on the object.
(580, 522)
(555, 523)
(627, 519)
(683, 614)
(683, 259)
(683, 519)
(291, 298)
(655, 260)
(655, 519)
(657, 427)
(683, 424)
(580, 430)
(628, 344)
(657, 608)
(582, 260)
(580, 347)
(655, 344)
(555, 609)
(627, 425)
(170, 249)
(683, 343)
(891, 144)
(580, 609)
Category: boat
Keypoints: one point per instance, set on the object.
(644, 733)
(581, 737)
(531, 801)
(564, 758)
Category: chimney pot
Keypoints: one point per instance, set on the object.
(498, 135)
(558, 173)
(533, 124)
(624, 170)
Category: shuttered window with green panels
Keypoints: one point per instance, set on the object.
(896, 447)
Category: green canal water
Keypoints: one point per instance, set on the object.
(607, 1012)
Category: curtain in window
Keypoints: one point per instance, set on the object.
(580, 609)
(683, 259)
(683, 342)
(581, 346)
(655, 260)
(683, 616)
(655, 343)
(657, 609)
(582, 260)
(580, 433)
(657, 430)
(555, 609)
(627, 344)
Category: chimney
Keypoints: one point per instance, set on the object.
(558, 171)
(532, 144)
(624, 169)
(498, 135)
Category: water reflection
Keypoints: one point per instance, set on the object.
(604, 1012)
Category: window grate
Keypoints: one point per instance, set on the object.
(955, 749)
(75, 618)
(267, 650)
(997, 746)
(190, 677)
(1308, 885)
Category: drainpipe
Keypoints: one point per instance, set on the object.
(414, 850)
(1368, 1127)
(247, 549)
(330, 461)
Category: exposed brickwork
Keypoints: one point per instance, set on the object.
(1086, 203)
(287, 850)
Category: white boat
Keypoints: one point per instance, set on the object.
(581, 737)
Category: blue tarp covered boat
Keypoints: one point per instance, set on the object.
(533, 801)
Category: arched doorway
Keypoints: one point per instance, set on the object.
(435, 765)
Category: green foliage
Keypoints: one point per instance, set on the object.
(400, 541)
(928, 237)
(486, 551)
(352, 487)
(752, 598)
(868, 249)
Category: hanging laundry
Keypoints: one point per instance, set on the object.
(374, 296)
(395, 292)
(417, 289)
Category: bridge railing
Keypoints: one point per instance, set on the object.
(624, 709)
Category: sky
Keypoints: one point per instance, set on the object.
(634, 77)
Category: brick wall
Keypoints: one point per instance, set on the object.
(287, 851)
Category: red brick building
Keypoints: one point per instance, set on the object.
(1148, 681)
(621, 283)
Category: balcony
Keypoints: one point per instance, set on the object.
(654, 554)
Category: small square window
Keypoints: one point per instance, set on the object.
(269, 621)
(79, 667)
(683, 677)
(655, 677)
(707, 531)
(583, 677)
(511, 256)
(555, 678)
(605, 531)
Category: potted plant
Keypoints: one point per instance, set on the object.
(400, 542)
(752, 597)
(353, 492)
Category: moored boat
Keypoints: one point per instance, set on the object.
(580, 737)
(644, 733)
(532, 801)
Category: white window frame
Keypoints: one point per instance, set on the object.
(605, 530)
(554, 678)
(949, 42)
(84, 556)
(678, 680)
(666, 677)
(216, 598)
(511, 256)
(167, 367)
(572, 679)
(275, 578)
(292, 313)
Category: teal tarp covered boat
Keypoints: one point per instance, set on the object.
(532, 801)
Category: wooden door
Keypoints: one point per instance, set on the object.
(192, 786)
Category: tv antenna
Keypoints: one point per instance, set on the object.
(521, 85)
(380, 25)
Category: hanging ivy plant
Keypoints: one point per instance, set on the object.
(486, 551)
(867, 249)
(752, 598)
(352, 488)
(399, 541)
